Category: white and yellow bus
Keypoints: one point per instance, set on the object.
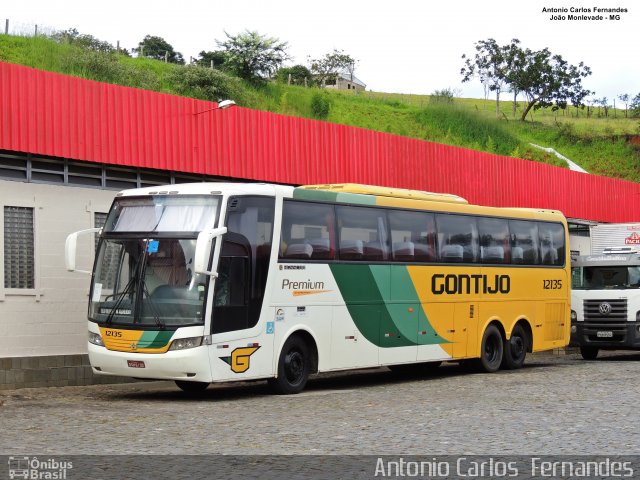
(205, 282)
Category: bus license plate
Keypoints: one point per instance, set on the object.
(604, 334)
(140, 363)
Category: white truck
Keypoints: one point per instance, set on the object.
(605, 301)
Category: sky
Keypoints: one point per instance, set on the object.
(404, 46)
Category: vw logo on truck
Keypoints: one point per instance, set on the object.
(605, 308)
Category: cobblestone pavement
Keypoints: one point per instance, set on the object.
(557, 404)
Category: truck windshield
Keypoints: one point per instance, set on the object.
(605, 277)
(143, 275)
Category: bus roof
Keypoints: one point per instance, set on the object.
(386, 192)
(606, 260)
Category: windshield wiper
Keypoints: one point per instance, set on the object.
(152, 304)
(128, 289)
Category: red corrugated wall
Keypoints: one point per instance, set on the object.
(52, 114)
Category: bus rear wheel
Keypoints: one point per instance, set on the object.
(589, 353)
(515, 349)
(293, 367)
(192, 387)
(492, 350)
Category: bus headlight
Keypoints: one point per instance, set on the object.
(96, 339)
(184, 343)
(574, 315)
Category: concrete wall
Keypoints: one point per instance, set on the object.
(51, 319)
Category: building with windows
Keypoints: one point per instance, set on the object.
(67, 145)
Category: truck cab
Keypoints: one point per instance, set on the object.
(605, 301)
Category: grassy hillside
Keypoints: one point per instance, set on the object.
(598, 144)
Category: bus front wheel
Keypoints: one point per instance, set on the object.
(515, 349)
(492, 350)
(293, 367)
(589, 353)
(192, 387)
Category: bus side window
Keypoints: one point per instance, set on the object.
(524, 240)
(458, 236)
(413, 237)
(307, 231)
(552, 249)
(363, 234)
(494, 240)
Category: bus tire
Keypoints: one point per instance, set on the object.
(515, 349)
(589, 353)
(491, 350)
(191, 387)
(293, 367)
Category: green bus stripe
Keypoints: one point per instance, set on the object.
(367, 291)
(155, 339)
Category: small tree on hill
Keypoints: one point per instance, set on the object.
(88, 42)
(490, 66)
(296, 75)
(159, 49)
(634, 106)
(252, 56)
(217, 59)
(326, 69)
(625, 97)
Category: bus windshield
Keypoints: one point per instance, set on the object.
(147, 282)
(143, 273)
(605, 277)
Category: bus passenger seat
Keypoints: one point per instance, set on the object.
(452, 253)
(299, 250)
(403, 251)
(493, 254)
(517, 255)
(321, 248)
(373, 251)
(423, 253)
(351, 249)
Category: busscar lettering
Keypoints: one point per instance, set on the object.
(470, 284)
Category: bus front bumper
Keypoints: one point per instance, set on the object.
(614, 336)
(190, 364)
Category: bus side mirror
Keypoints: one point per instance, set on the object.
(203, 250)
(70, 247)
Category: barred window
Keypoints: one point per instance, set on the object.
(111, 255)
(99, 219)
(19, 271)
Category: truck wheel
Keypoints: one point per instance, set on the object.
(515, 349)
(589, 353)
(293, 367)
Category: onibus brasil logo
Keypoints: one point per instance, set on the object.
(36, 469)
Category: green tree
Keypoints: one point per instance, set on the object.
(159, 49)
(217, 58)
(252, 56)
(490, 65)
(88, 42)
(296, 75)
(548, 80)
(625, 97)
(326, 69)
(634, 106)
